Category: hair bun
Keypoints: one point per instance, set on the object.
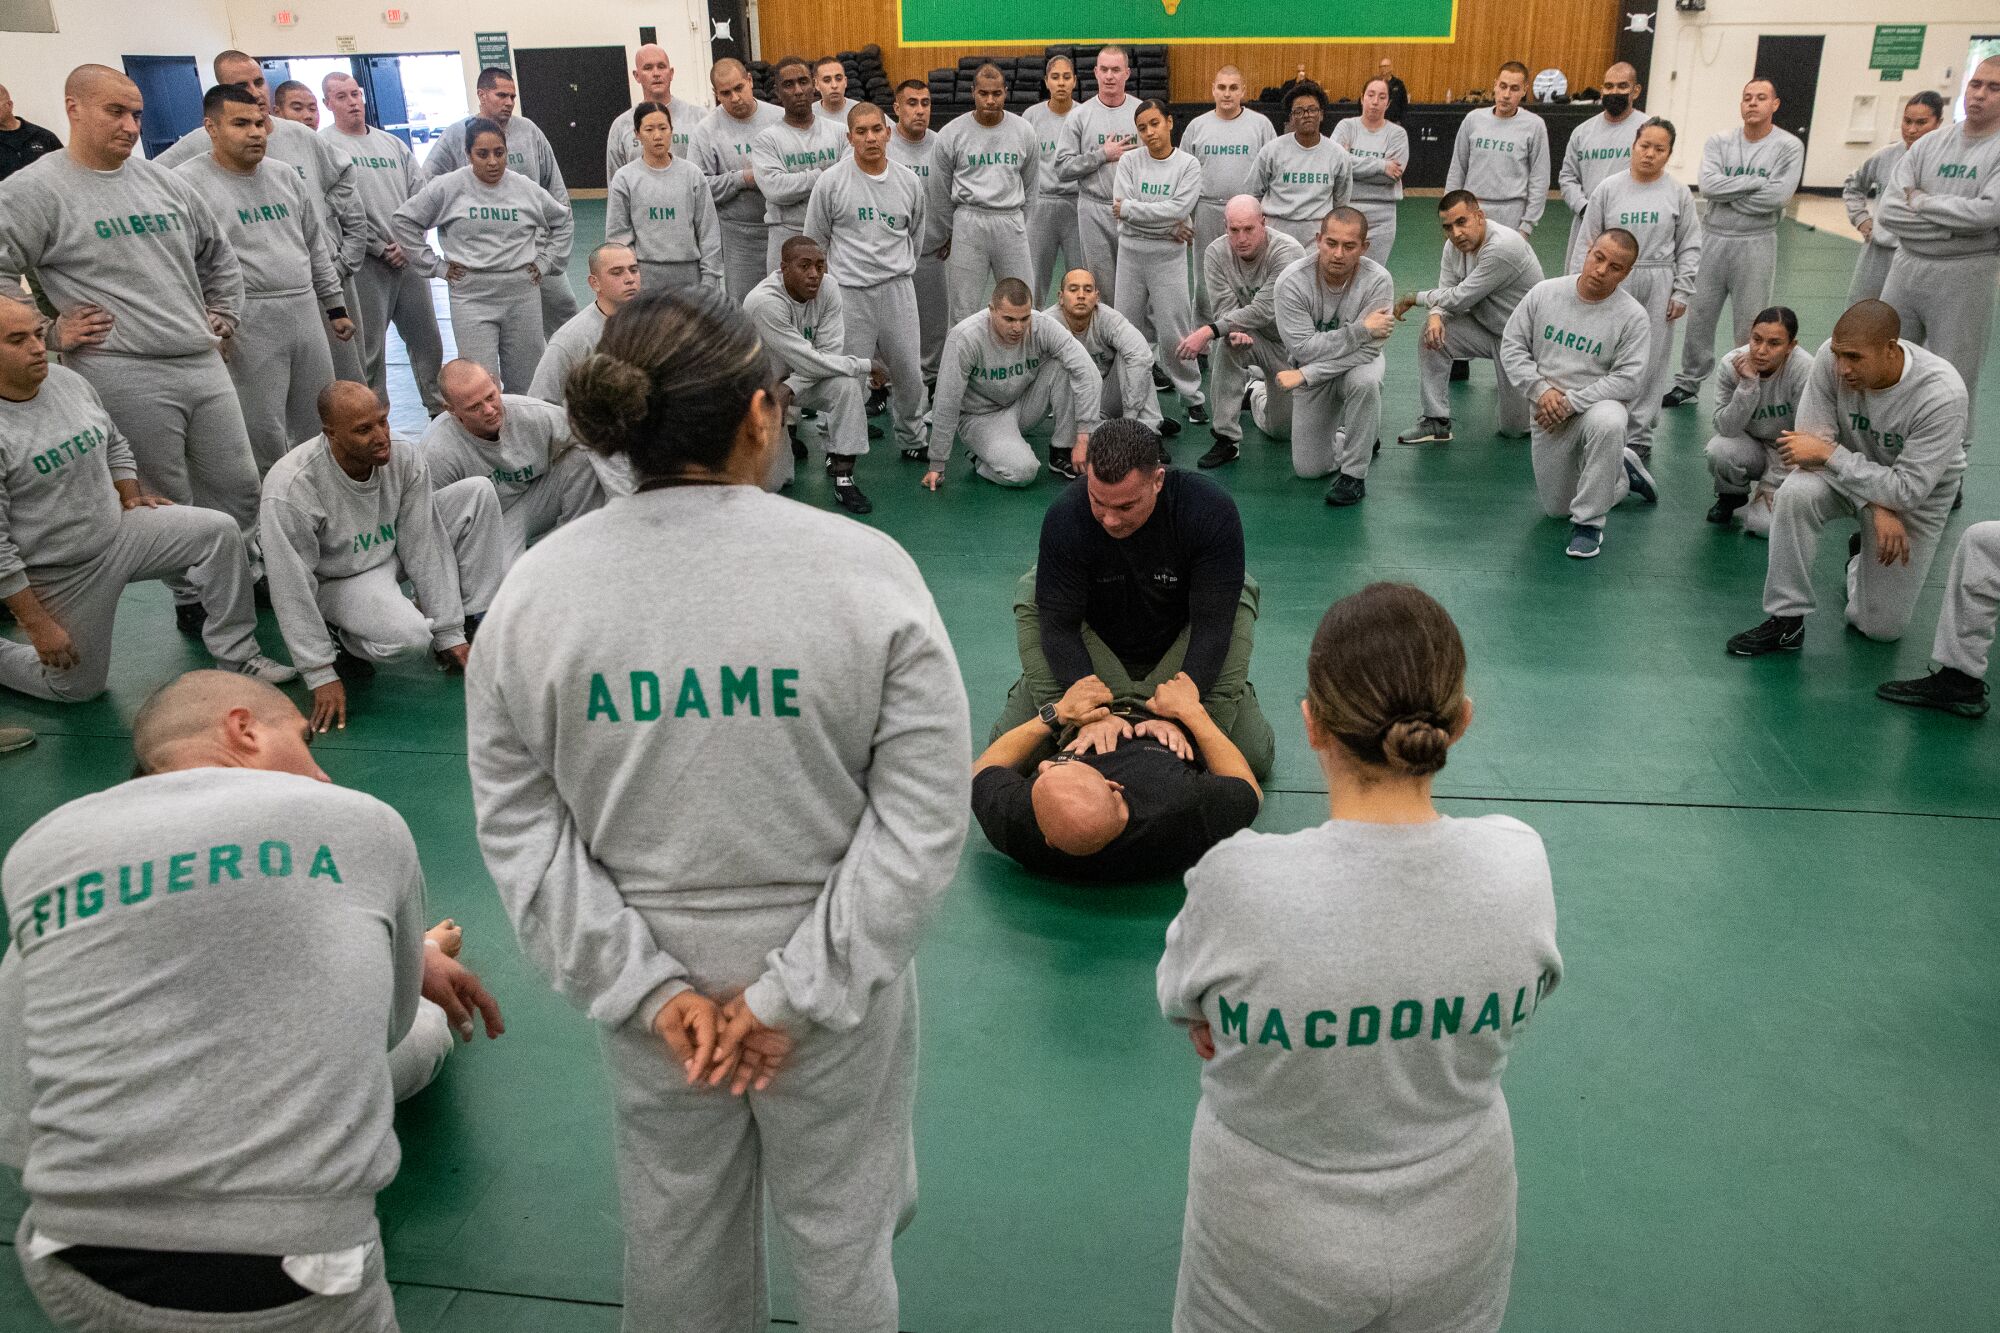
(1415, 745)
(608, 400)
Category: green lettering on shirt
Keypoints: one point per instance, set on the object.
(1236, 1018)
(1489, 1014)
(1274, 1031)
(323, 866)
(645, 697)
(1413, 1010)
(692, 699)
(222, 860)
(739, 689)
(784, 692)
(1364, 1024)
(600, 701)
(1313, 1020)
(180, 872)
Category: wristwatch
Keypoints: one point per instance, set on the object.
(1049, 719)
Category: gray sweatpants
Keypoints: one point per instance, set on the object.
(883, 324)
(1580, 465)
(347, 356)
(558, 308)
(1741, 270)
(1097, 233)
(1134, 385)
(1971, 602)
(743, 254)
(664, 277)
(497, 320)
(401, 297)
(843, 416)
(1335, 423)
(1737, 462)
(986, 246)
(829, 1143)
(1652, 287)
(1506, 212)
(1871, 273)
(1423, 1248)
(279, 363)
(569, 491)
(998, 440)
(378, 623)
(1052, 233)
(1153, 293)
(1381, 215)
(185, 427)
(1209, 225)
(77, 1304)
(1303, 230)
(933, 311)
(149, 544)
(1946, 305)
(1880, 598)
(1229, 371)
(1468, 340)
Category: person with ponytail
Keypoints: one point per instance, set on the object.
(718, 746)
(1353, 991)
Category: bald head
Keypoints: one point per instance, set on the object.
(94, 80)
(1243, 224)
(1077, 809)
(461, 378)
(103, 108)
(654, 69)
(1869, 324)
(1622, 72)
(193, 721)
(342, 401)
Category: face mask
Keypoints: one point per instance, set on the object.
(1616, 104)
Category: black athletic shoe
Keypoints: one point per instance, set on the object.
(798, 447)
(1197, 415)
(1377, 452)
(1725, 508)
(189, 618)
(917, 453)
(346, 665)
(1461, 371)
(1947, 689)
(1428, 430)
(878, 401)
(1221, 454)
(1778, 634)
(1679, 397)
(1160, 381)
(1639, 479)
(1346, 491)
(1062, 464)
(849, 497)
(260, 593)
(1169, 428)
(874, 431)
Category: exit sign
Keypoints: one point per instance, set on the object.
(395, 18)
(285, 18)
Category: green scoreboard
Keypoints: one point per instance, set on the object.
(1041, 22)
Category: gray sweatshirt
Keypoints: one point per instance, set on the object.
(1867, 185)
(508, 225)
(316, 522)
(385, 175)
(1372, 151)
(1301, 184)
(990, 168)
(1243, 294)
(802, 646)
(1089, 126)
(1661, 216)
(1110, 340)
(666, 214)
(1899, 447)
(921, 158)
(788, 162)
(1048, 129)
(528, 152)
(1598, 150)
(566, 350)
(805, 336)
(209, 914)
(1487, 284)
(138, 242)
(869, 226)
(979, 375)
(1226, 150)
(1958, 211)
(1746, 185)
(532, 433)
(621, 141)
(1592, 351)
(721, 147)
(1765, 407)
(1502, 159)
(1363, 983)
(59, 454)
(1322, 326)
(326, 173)
(1158, 193)
(273, 227)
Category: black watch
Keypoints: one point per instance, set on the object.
(1049, 718)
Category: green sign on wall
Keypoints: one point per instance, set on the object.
(1898, 47)
(1038, 22)
(493, 52)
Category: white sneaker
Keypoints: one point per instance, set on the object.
(263, 668)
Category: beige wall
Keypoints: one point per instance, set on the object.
(34, 65)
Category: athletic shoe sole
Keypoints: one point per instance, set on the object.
(1956, 707)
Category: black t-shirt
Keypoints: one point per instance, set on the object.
(22, 145)
(1178, 811)
(1182, 570)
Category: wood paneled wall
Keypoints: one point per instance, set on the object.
(1575, 36)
